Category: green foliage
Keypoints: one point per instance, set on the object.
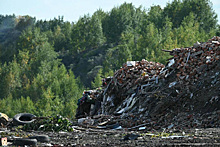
(179, 9)
(53, 123)
(10, 79)
(24, 22)
(188, 32)
(123, 19)
(98, 80)
(37, 74)
(8, 21)
(87, 33)
(7, 106)
(155, 16)
(12, 106)
(8, 37)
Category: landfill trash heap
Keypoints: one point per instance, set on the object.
(184, 93)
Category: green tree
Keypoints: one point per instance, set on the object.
(98, 80)
(177, 10)
(148, 44)
(80, 33)
(123, 19)
(39, 50)
(168, 41)
(7, 106)
(188, 32)
(24, 22)
(155, 16)
(97, 36)
(10, 79)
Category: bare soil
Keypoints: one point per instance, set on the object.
(97, 137)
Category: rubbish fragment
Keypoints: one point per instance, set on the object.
(116, 127)
(131, 63)
(40, 138)
(4, 141)
(170, 126)
(172, 84)
(191, 95)
(196, 45)
(85, 121)
(131, 136)
(142, 128)
(174, 137)
(171, 62)
(4, 119)
(215, 42)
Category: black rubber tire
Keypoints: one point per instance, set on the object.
(24, 141)
(23, 118)
(3, 121)
(41, 138)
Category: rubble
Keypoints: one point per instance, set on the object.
(191, 62)
(128, 80)
(184, 93)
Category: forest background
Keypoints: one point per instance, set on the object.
(46, 65)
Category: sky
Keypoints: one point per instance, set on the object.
(73, 9)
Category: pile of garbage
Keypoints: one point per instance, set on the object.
(128, 79)
(193, 61)
(134, 73)
(182, 94)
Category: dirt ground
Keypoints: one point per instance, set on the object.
(200, 137)
(96, 137)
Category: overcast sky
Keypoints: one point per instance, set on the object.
(73, 9)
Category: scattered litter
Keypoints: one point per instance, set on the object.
(170, 126)
(172, 84)
(142, 128)
(173, 137)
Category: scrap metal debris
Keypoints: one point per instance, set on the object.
(145, 95)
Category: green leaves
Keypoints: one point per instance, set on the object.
(37, 78)
(53, 123)
(98, 80)
(204, 14)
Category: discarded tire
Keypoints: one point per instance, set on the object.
(24, 141)
(41, 138)
(23, 118)
(3, 121)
